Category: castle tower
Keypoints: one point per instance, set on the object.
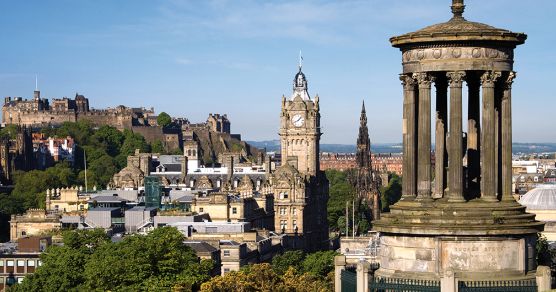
(300, 188)
(472, 227)
(367, 181)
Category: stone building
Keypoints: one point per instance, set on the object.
(33, 222)
(300, 188)
(219, 123)
(469, 227)
(16, 154)
(39, 112)
(49, 150)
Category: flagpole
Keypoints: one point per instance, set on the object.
(85, 162)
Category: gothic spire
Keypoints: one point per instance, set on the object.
(363, 155)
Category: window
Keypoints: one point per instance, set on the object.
(294, 224)
(1, 263)
(283, 224)
(20, 263)
(1, 280)
(82, 207)
(39, 263)
(10, 263)
(234, 210)
(201, 210)
(226, 270)
(536, 179)
(218, 183)
(282, 211)
(19, 280)
(23, 233)
(30, 263)
(294, 211)
(226, 253)
(235, 183)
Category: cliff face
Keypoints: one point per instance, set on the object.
(215, 146)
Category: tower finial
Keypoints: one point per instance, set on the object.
(36, 82)
(457, 8)
(363, 107)
(300, 60)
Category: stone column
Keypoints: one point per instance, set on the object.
(409, 138)
(440, 137)
(363, 276)
(424, 80)
(339, 266)
(543, 279)
(488, 168)
(473, 134)
(507, 139)
(455, 141)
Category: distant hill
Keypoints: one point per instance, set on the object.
(274, 145)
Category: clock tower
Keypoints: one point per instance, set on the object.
(300, 128)
(300, 189)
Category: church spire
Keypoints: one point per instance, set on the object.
(363, 155)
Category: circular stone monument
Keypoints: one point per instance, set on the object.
(468, 224)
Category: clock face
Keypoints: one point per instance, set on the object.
(298, 120)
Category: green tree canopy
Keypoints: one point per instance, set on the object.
(163, 119)
(340, 192)
(281, 263)
(319, 263)
(392, 192)
(88, 261)
(262, 277)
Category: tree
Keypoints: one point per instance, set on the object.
(544, 254)
(89, 261)
(157, 261)
(391, 193)
(281, 263)
(63, 266)
(158, 147)
(163, 119)
(340, 192)
(319, 263)
(262, 277)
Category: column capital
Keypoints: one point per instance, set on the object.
(424, 79)
(408, 81)
(510, 80)
(489, 78)
(455, 78)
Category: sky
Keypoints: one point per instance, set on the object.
(192, 58)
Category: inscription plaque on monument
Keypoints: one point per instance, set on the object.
(480, 255)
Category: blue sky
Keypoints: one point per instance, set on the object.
(189, 58)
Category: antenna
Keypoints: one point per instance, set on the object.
(36, 82)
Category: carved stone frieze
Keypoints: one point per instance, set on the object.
(421, 54)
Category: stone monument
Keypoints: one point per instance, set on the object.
(469, 225)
